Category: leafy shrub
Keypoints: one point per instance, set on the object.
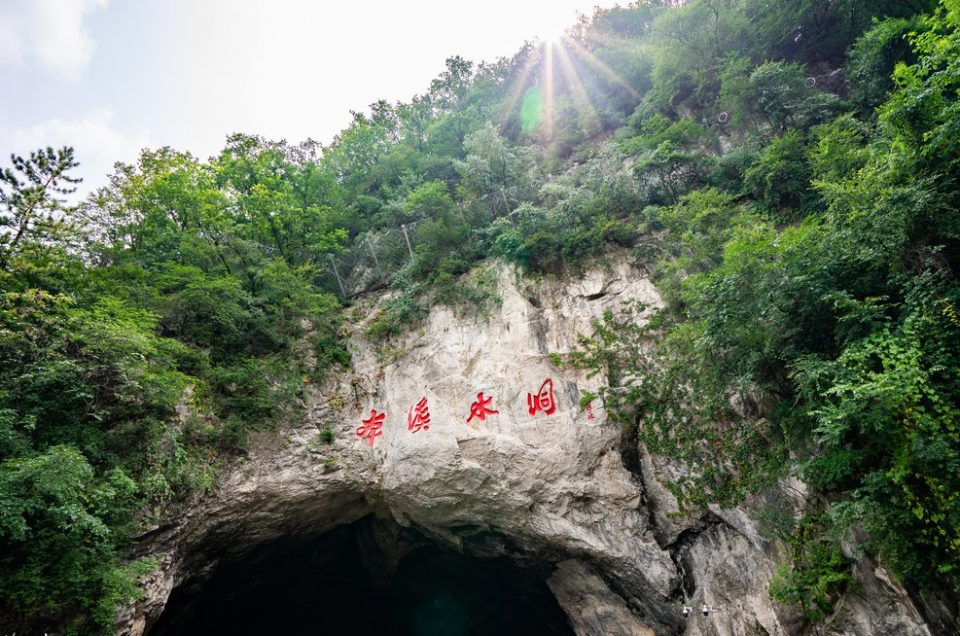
(775, 97)
(397, 314)
(872, 58)
(473, 293)
(328, 434)
(817, 574)
(781, 176)
(730, 169)
(59, 528)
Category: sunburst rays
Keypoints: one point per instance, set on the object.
(518, 88)
(603, 69)
(553, 69)
(575, 85)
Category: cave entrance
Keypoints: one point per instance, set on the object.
(359, 580)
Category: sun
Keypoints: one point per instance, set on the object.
(552, 31)
(562, 53)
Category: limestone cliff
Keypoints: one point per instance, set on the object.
(547, 487)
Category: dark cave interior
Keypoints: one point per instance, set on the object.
(354, 581)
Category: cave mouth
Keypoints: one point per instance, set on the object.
(353, 580)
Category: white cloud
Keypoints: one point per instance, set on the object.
(48, 32)
(96, 142)
(295, 68)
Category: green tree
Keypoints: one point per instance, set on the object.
(780, 178)
(32, 207)
(495, 172)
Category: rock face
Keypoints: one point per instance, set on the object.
(592, 608)
(550, 487)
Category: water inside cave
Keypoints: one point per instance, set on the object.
(324, 586)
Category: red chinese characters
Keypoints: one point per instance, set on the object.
(418, 417)
(481, 408)
(370, 428)
(543, 400)
(590, 415)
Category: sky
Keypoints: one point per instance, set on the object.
(110, 77)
